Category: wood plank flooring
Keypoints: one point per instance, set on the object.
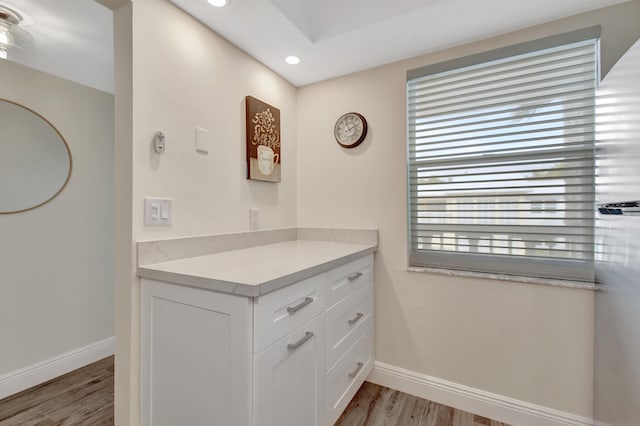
(85, 397)
(375, 405)
(81, 397)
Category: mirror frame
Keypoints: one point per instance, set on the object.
(66, 145)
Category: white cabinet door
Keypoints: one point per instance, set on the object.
(289, 379)
(195, 357)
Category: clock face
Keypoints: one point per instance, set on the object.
(350, 129)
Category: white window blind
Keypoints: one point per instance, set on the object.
(501, 164)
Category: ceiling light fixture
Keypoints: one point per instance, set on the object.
(14, 41)
(218, 3)
(292, 60)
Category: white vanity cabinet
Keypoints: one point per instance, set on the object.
(293, 356)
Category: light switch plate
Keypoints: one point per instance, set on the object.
(203, 140)
(157, 211)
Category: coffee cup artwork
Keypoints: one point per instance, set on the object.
(264, 159)
(267, 160)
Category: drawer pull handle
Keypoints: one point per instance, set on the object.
(293, 346)
(305, 302)
(355, 276)
(357, 370)
(356, 319)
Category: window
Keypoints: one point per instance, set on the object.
(501, 160)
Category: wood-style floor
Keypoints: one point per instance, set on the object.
(81, 397)
(375, 405)
(85, 397)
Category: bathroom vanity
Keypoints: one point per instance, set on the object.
(273, 328)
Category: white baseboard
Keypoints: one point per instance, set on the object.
(19, 380)
(486, 404)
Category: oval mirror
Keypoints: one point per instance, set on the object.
(35, 160)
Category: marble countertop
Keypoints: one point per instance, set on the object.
(257, 270)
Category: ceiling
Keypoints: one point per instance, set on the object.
(74, 38)
(336, 37)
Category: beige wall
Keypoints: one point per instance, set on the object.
(528, 342)
(56, 261)
(184, 76)
(125, 362)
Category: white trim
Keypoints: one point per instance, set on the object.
(493, 406)
(32, 375)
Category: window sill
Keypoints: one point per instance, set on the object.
(501, 277)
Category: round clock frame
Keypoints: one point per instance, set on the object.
(350, 137)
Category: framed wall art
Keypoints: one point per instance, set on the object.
(263, 141)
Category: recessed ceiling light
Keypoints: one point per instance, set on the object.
(218, 3)
(292, 60)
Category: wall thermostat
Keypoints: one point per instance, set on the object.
(158, 142)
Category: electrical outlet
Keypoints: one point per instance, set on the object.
(254, 219)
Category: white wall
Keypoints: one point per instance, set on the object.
(184, 76)
(617, 348)
(529, 342)
(56, 261)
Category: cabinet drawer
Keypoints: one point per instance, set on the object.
(278, 313)
(345, 378)
(346, 321)
(345, 279)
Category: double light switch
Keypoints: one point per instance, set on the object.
(157, 211)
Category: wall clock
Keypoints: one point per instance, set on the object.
(350, 130)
